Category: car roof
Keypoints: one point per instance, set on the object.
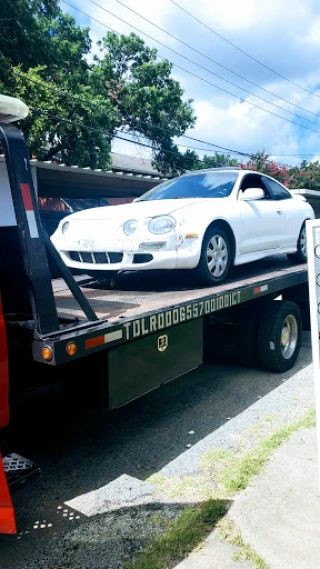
(227, 168)
(224, 169)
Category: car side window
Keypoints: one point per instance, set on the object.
(277, 191)
(254, 181)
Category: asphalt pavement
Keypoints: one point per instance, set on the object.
(101, 498)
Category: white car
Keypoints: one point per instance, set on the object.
(206, 220)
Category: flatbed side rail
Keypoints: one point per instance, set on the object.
(109, 333)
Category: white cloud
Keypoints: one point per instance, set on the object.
(285, 37)
(244, 128)
(313, 33)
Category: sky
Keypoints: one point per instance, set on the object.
(238, 100)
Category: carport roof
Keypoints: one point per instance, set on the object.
(128, 176)
(122, 165)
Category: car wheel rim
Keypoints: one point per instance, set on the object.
(303, 241)
(289, 336)
(217, 256)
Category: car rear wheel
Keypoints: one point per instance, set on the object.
(301, 254)
(215, 260)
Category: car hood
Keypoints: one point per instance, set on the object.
(138, 210)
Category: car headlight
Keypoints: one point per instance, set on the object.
(162, 224)
(65, 227)
(130, 226)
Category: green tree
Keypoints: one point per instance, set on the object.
(37, 33)
(171, 162)
(218, 161)
(260, 162)
(149, 101)
(43, 61)
(55, 125)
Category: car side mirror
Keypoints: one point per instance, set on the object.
(252, 194)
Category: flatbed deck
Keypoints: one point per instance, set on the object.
(147, 303)
(139, 293)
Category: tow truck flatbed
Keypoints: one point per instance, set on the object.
(112, 345)
(146, 303)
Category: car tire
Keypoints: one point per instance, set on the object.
(301, 254)
(279, 336)
(216, 245)
(102, 274)
(105, 280)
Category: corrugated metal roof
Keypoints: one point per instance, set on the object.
(132, 164)
(122, 167)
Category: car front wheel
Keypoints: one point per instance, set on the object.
(215, 260)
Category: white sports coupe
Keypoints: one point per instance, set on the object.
(206, 220)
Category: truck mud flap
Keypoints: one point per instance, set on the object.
(143, 365)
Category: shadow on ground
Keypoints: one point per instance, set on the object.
(81, 450)
(137, 536)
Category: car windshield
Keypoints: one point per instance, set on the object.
(203, 185)
(78, 204)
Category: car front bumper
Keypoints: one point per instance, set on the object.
(162, 252)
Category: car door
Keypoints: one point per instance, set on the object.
(261, 219)
(287, 208)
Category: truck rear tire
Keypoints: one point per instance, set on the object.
(279, 336)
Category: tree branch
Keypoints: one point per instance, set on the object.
(53, 151)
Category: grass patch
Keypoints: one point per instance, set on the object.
(188, 532)
(156, 479)
(244, 552)
(257, 430)
(189, 488)
(216, 456)
(269, 417)
(238, 473)
(183, 535)
(156, 519)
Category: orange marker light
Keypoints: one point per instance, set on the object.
(192, 236)
(47, 353)
(71, 348)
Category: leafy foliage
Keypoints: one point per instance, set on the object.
(79, 104)
(306, 175)
(43, 60)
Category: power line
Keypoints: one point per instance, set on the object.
(86, 102)
(86, 127)
(93, 129)
(295, 155)
(213, 61)
(238, 152)
(243, 51)
(214, 146)
(97, 130)
(190, 72)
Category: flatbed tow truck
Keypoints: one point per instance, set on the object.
(116, 344)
